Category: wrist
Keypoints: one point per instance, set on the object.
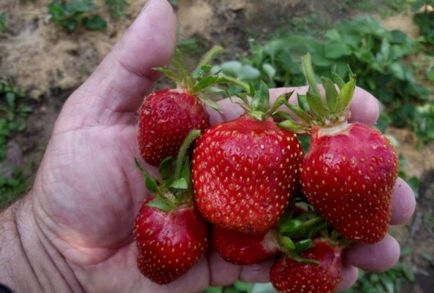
(29, 261)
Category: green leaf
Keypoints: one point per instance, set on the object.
(331, 93)
(291, 126)
(180, 183)
(345, 95)
(302, 102)
(303, 245)
(310, 75)
(167, 168)
(150, 183)
(205, 83)
(336, 50)
(269, 70)
(299, 112)
(161, 203)
(338, 80)
(287, 243)
(95, 23)
(317, 106)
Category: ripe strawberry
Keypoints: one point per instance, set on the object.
(290, 276)
(244, 249)
(349, 172)
(166, 116)
(171, 235)
(245, 170)
(169, 243)
(244, 173)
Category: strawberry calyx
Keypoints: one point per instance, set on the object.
(174, 189)
(300, 227)
(256, 102)
(316, 111)
(197, 81)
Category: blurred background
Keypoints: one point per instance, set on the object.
(48, 47)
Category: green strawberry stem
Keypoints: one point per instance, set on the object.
(209, 55)
(180, 160)
(175, 187)
(314, 110)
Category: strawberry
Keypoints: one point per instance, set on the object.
(169, 243)
(290, 276)
(171, 235)
(245, 172)
(166, 116)
(244, 249)
(349, 173)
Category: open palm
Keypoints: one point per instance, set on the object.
(87, 191)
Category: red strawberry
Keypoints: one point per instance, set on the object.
(169, 243)
(171, 235)
(244, 173)
(290, 276)
(244, 249)
(165, 118)
(349, 173)
(348, 176)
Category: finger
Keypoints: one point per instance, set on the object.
(222, 273)
(257, 273)
(349, 278)
(377, 257)
(229, 111)
(126, 73)
(403, 203)
(364, 108)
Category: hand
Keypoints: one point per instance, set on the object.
(88, 191)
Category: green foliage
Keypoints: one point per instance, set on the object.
(375, 54)
(13, 114)
(2, 21)
(70, 14)
(425, 22)
(116, 7)
(387, 282)
(11, 188)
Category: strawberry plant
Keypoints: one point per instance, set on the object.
(70, 14)
(116, 7)
(376, 55)
(13, 115)
(425, 20)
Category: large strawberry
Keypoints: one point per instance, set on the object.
(171, 235)
(245, 170)
(244, 249)
(349, 172)
(166, 116)
(291, 276)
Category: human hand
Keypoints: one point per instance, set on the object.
(88, 191)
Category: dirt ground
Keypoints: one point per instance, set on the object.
(50, 64)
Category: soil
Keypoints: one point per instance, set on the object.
(49, 63)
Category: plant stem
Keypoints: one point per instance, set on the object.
(192, 135)
(236, 81)
(209, 56)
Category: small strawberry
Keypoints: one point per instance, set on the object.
(290, 276)
(244, 249)
(349, 173)
(245, 170)
(166, 116)
(171, 235)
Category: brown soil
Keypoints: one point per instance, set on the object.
(50, 64)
